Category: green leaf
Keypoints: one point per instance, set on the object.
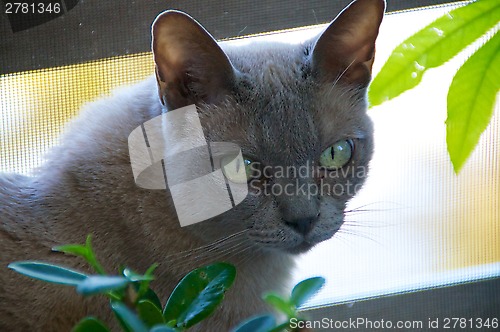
(262, 323)
(90, 324)
(431, 47)
(151, 296)
(49, 272)
(144, 284)
(127, 318)
(282, 328)
(149, 313)
(86, 252)
(72, 249)
(471, 100)
(198, 294)
(280, 304)
(162, 328)
(134, 277)
(101, 284)
(305, 289)
(172, 323)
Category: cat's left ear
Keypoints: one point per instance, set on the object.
(345, 50)
(191, 68)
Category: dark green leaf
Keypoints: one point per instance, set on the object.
(48, 272)
(149, 313)
(151, 296)
(471, 100)
(162, 328)
(198, 294)
(90, 324)
(431, 47)
(305, 290)
(262, 323)
(280, 304)
(128, 319)
(101, 284)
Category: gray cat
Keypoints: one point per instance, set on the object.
(284, 105)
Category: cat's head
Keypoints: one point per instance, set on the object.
(298, 112)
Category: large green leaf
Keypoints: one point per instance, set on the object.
(305, 290)
(127, 318)
(90, 324)
(262, 323)
(471, 99)
(101, 284)
(198, 294)
(49, 272)
(431, 47)
(149, 313)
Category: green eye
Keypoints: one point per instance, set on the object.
(236, 171)
(337, 155)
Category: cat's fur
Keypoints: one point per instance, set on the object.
(283, 104)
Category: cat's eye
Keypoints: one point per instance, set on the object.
(237, 171)
(337, 155)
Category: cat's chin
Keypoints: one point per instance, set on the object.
(301, 248)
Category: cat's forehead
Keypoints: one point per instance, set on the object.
(285, 117)
(256, 52)
(269, 63)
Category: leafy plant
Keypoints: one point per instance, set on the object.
(138, 308)
(472, 93)
(302, 292)
(135, 305)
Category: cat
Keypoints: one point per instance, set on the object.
(282, 104)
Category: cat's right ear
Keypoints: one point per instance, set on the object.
(190, 67)
(345, 50)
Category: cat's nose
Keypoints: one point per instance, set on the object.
(302, 225)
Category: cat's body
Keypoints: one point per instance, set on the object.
(279, 103)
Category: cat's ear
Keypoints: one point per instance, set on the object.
(190, 66)
(345, 50)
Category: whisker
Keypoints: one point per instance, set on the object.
(252, 255)
(237, 252)
(368, 210)
(362, 207)
(345, 241)
(210, 245)
(360, 234)
(212, 255)
(208, 250)
(368, 223)
(244, 244)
